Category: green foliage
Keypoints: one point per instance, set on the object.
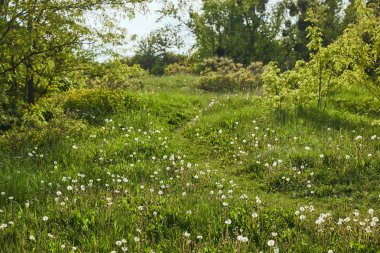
(154, 52)
(114, 75)
(44, 123)
(236, 30)
(351, 60)
(179, 68)
(96, 105)
(222, 74)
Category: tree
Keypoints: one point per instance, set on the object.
(39, 39)
(234, 29)
(294, 38)
(155, 51)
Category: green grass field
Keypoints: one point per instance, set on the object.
(169, 168)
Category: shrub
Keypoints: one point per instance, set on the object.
(44, 123)
(94, 105)
(222, 74)
(179, 68)
(115, 75)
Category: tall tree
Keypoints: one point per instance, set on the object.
(232, 28)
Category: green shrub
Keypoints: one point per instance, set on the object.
(115, 75)
(44, 123)
(95, 105)
(222, 74)
(179, 68)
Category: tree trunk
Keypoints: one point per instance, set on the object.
(30, 90)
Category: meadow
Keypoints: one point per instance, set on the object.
(166, 167)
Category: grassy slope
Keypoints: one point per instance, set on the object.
(188, 162)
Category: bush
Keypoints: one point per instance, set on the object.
(179, 68)
(114, 75)
(95, 105)
(44, 123)
(222, 74)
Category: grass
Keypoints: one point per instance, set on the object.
(188, 171)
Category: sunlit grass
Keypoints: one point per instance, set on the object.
(188, 171)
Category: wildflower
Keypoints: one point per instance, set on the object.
(258, 200)
(32, 238)
(69, 188)
(45, 218)
(75, 146)
(186, 234)
(136, 239)
(271, 243)
(228, 222)
(330, 251)
(119, 243)
(302, 217)
(241, 238)
(199, 237)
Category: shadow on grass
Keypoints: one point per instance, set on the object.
(322, 119)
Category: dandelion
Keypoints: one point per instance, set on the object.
(186, 234)
(32, 238)
(241, 238)
(228, 222)
(75, 146)
(271, 243)
(136, 239)
(69, 188)
(199, 237)
(258, 200)
(330, 251)
(45, 218)
(119, 243)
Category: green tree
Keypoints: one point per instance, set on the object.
(39, 40)
(233, 28)
(155, 52)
